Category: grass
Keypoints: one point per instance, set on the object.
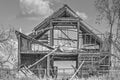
(10, 75)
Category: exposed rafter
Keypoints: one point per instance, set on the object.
(30, 38)
(57, 15)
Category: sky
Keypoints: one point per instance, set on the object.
(26, 14)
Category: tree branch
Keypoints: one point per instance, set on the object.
(2, 40)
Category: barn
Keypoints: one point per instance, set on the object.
(63, 37)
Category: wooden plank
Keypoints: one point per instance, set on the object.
(65, 24)
(65, 19)
(47, 20)
(77, 70)
(65, 53)
(35, 52)
(65, 27)
(25, 72)
(43, 58)
(19, 56)
(78, 29)
(33, 40)
(64, 58)
(74, 70)
(61, 38)
(51, 44)
(65, 34)
(51, 34)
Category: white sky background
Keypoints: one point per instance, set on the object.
(29, 13)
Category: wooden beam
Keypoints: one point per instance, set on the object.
(66, 53)
(74, 70)
(51, 34)
(73, 27)
(47, 20)
(65, 34)
(78, 29)
(61, 38)
(77, 70)
(19, 55)
(64, 58)
(43, 58)
(51, 44)
(70, 19)
(32, 39)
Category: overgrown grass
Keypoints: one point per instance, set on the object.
(11, 75)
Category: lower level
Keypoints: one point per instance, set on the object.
(65, 64)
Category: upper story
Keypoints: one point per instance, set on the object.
(63, 28)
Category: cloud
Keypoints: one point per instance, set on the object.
(35, 8)
(29, 16)
(82, 15)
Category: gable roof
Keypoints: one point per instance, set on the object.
(58, 13)
(65, 10)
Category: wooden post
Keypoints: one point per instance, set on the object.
(90, 38)
(48, 66)
(43, 58)
(77, 62)
(51, 34)
(77, 71)
(51, 44)
(78, 29)
(85, 38)
(19, 49)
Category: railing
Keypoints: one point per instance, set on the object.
(86, 42)
(37, 47)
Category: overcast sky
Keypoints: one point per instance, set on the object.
(29, 13)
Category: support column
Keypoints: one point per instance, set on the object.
(19, 48)
(51, 44)
(77, 62)
(48, 66)
(78, 29)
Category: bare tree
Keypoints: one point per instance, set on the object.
(108, 11)
(7, 45)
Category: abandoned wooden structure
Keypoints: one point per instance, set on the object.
(64, 28)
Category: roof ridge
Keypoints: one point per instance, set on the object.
(54, 15)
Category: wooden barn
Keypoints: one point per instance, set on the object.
(76, 42)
